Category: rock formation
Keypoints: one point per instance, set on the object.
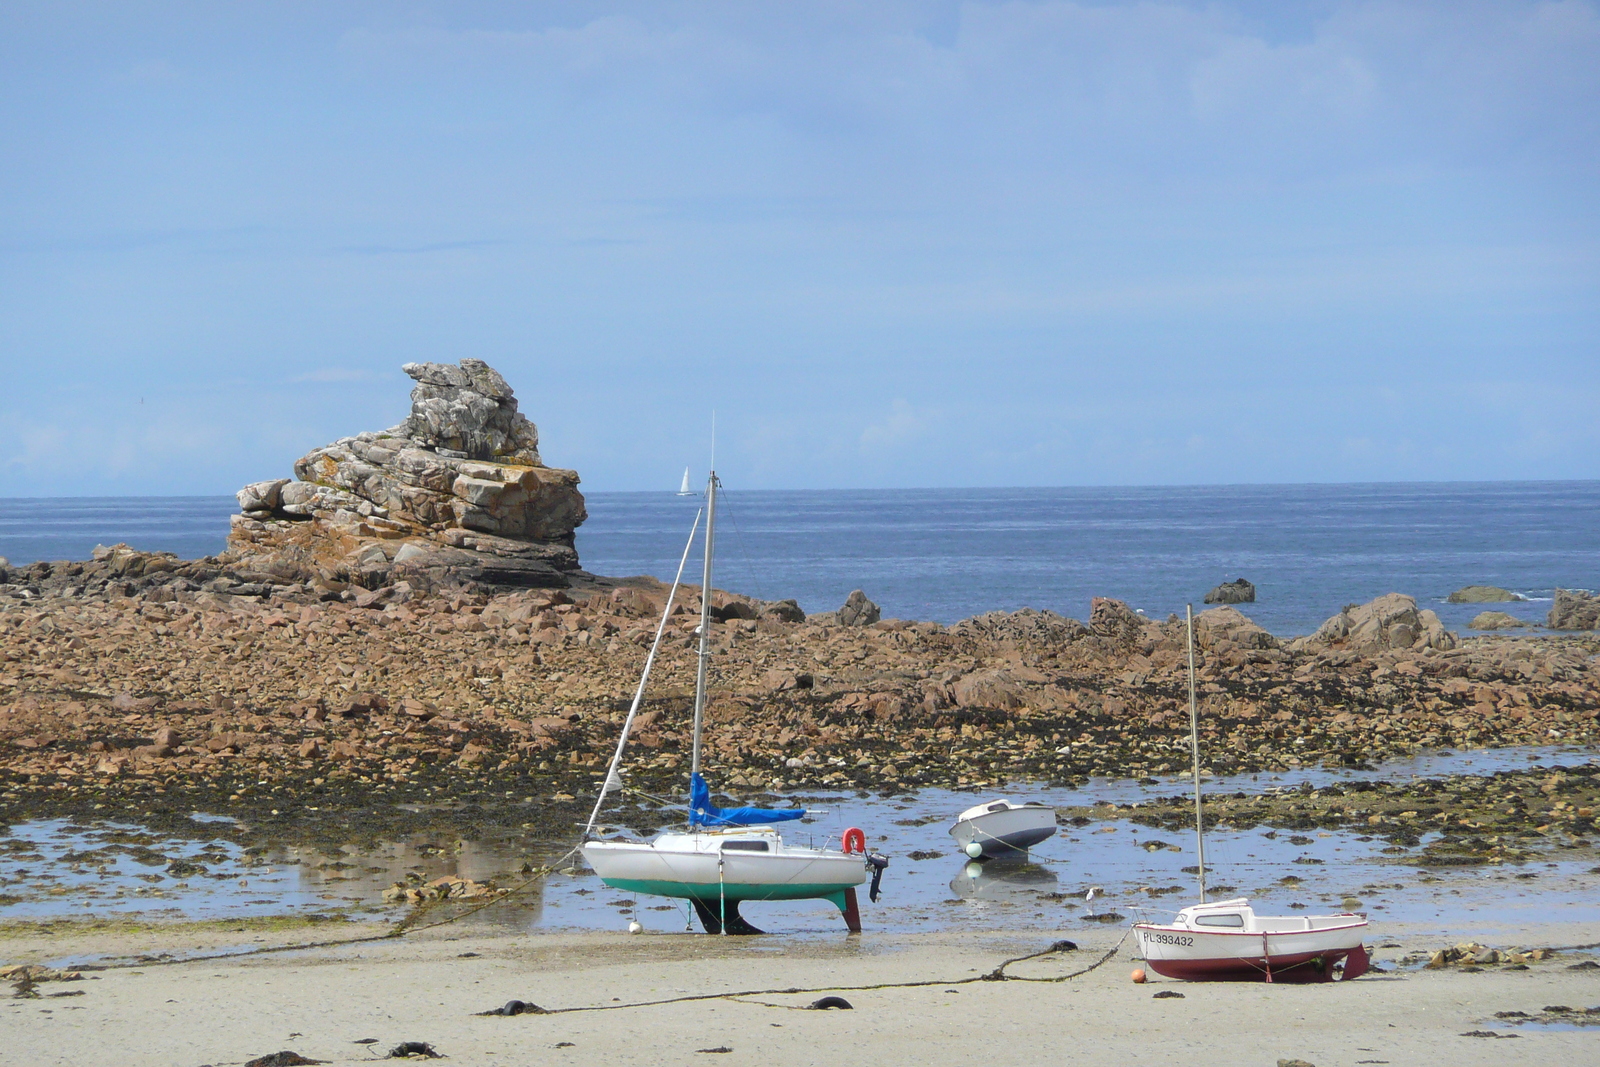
(1482, 594)
(1237, 591)
(1391, 621)
(1496, 620)
(858, 610)
(456, 492)
(1574, 610)
(1213, 628)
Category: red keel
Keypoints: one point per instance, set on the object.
(852, 913)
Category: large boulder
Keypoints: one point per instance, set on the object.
(1574, 610)
(1391, 621)
(1115, 621)
(1496, 620)
(858, 610)
(1216, 625)
(1237, 591)
(459, 481)
(1482, 594)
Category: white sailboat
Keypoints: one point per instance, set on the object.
(684, 490)
(1227, 941)
(726, 856)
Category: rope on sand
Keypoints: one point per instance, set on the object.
(996, 975)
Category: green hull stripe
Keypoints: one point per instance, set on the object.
(711, 893)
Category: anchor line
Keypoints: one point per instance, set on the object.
(996, 975)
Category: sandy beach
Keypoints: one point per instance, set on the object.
(323, 1003)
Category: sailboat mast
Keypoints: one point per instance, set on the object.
(1194, 751)
(705, 623)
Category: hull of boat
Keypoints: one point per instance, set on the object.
(1277, 956)
(1006, 832)
(697, 875)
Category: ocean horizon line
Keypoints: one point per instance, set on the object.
(1461, 482)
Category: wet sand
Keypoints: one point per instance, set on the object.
(428, 986)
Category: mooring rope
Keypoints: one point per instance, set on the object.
(996, 975)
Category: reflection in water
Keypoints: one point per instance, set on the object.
(1014, 881)
(59, 868)
(418, 860)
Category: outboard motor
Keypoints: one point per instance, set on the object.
(878, 862)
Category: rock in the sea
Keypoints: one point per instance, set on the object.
(457, 488)
(858, 610)
(1574, 610)
(1237, 591)
(1496, 620)
(1392, 621)
(1482, 594)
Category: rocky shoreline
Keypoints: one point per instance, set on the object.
(406, 629)
(270, 705)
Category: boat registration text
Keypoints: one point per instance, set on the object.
(1171, 939)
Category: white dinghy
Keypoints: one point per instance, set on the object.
(1003, 829)
(1227, 941)
(726, 856)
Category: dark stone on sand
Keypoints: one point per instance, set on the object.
(1237, 591)
(281, 1059)
(831, 1002)
(419, 1049)
(1168, 994)
(515, 1007)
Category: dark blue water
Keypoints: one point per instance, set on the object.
(945, 554)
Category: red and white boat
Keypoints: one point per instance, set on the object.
(1226, 941)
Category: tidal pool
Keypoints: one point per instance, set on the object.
(56, 869)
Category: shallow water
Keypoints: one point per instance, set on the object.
(53, 869)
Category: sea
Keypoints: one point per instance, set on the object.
(946, 554)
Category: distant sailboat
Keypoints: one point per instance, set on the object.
(684, 490)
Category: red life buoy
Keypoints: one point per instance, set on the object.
(857, 838)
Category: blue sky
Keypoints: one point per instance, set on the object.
(890, 244)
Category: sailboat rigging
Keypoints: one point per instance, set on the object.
(1226, 940)
(726, 856)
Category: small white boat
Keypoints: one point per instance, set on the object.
(1226, 941)
(684, 490)
(1002, 829)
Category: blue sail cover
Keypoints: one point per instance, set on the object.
(704, 813)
